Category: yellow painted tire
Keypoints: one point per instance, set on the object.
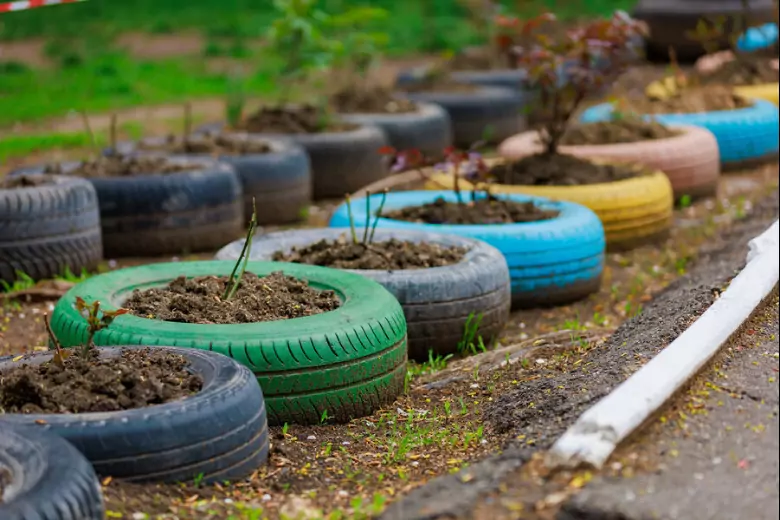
(767, 91)
(634, 211)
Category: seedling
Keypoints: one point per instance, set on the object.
(90, 133)
(324, 417)
(235, 281)
(112, 134)
(369, 230)
(97, 320)
(187, 123)
(355, 48)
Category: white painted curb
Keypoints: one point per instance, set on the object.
(599, 430)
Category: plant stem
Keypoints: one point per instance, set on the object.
(112, 134)
(456, 182)
(351, 219)
(187, 124)
(52, 337)
(91, 134)
(368, 217)
(246, 249)
(378, 215)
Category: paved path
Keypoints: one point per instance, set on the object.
(718, 461)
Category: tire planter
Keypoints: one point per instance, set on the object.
(513, 79)
(670, 20)
(690, 160)
(767, 91)
(218, 434)
(279, 181)
(50, 479)
(159, 214)
(438, 301)
(550, 262)
(500, 111)
(757, 38)
(746, 136)
(349, 361)
(44, 229)
(634, 212)
(341, 162)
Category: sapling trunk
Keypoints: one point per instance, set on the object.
(368, 217)
(90, 134)
(187, 124)
(456, 182)
(378, 215)
(351, 219)
(112, 134)
(59, 354)
(234, 281)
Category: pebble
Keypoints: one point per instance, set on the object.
(343, 493)
(266, 497)
(541, 361)
(345, 443)
(140, 516)
(311, 438)
(112, 264)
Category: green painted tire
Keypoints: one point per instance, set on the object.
(348, 362)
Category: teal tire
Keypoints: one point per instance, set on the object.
(348, 362)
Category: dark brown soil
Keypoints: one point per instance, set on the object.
(217, 144)
(23, 181)
(559, 170)
(478, 59)
(437, 80)
(5, 480)
(481, 211)
(618, 131)
(389, 254)
(199, 300)
(125, 166)
(304, 119)
(746, 70)
(690, 101)
(370, 100)
(135, 379)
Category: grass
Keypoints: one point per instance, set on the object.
(89, 75)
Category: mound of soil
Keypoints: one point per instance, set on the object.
(559, 170)
(304, 119)
(391, 255)
(125, 166)
(135, 379)
(691, 101)
(488, 210)
(745, 70)
(216, 144)
(617, 131)
(199, 300)
(370, 100)
(23, 181)
(438, 81)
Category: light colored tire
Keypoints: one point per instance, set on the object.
(690, 160)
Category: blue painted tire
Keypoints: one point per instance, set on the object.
(746, 137)
(551, 262)
(757, 38)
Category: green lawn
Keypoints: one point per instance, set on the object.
(90, 75)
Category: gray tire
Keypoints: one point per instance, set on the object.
(341, 162)
(438, 301)
(279, 181)
(50, 479)
(44, 229)
(500, 111)
(428, 130)
(173, 213)
(514, 79)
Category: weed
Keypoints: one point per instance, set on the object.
(324, 417)
(599, 319)
(97, 320)
(685, 201)
(467, 344)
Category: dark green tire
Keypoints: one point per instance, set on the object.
(348, 362)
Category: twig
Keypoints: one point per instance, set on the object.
(351, 219)
(52, 337)
(187, 124)
(112, 134)
(378, 215)
(91, 134)
(233, 282)
(368, 217)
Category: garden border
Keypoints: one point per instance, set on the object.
(598, 431)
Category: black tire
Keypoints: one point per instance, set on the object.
(341, 162)
(50, 479)
(513, 79)
(44, 229)
(348, 362)
(669, 20)
(437, 302)
(429, 129)
(497, 112)
(279, 181)
(174, 213)
(219, 434)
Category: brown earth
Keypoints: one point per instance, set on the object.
(559, 170)
(487, 210)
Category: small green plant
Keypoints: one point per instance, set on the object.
(285, 429)
(97, 320)
(368, 230)
(235, 100)
(198, 480)
(685, 201)
(356, 49)
(235, 281)
(470, 343)
(324, 417)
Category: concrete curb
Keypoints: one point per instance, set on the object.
(599, 430)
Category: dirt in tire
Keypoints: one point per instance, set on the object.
(304, 119)
(560, 170)
(84, 382)
(204, 300)
(24, 181)
(125, 166)
(630, 130)
(488, 210)
(213, 144)
(744, 70)
(360, 99)
(391, 255)
(712, 98)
